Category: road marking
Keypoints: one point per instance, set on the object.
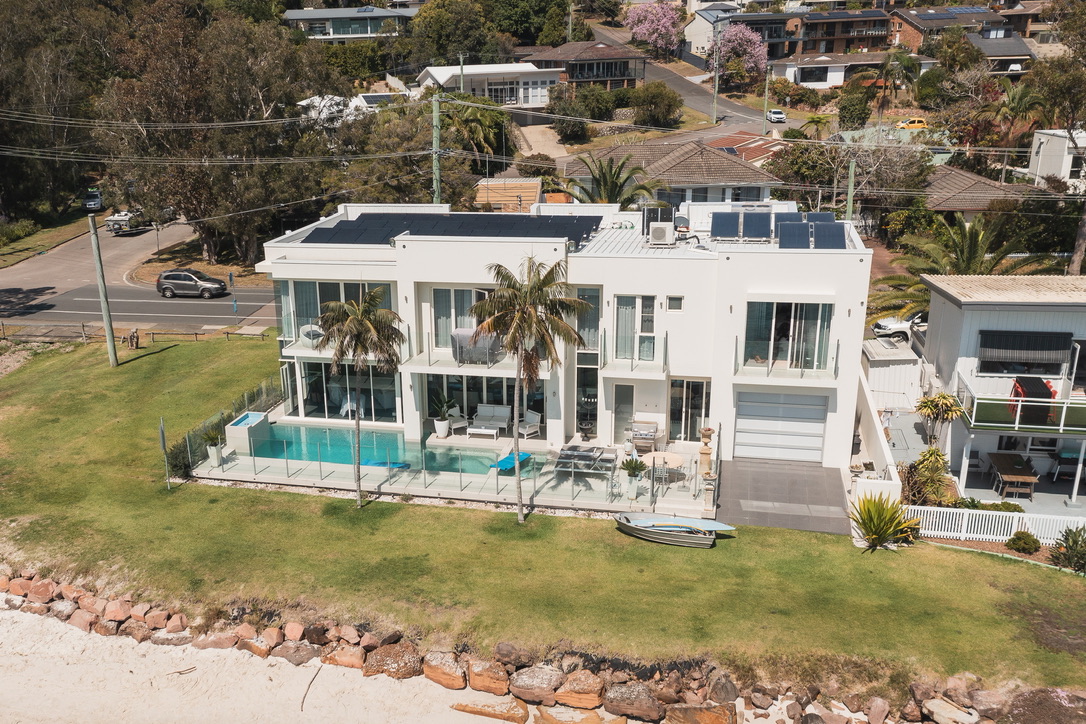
(134, 314)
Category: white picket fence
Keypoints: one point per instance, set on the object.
(989, 525)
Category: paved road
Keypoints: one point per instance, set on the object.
(694, 95)
(60, 286)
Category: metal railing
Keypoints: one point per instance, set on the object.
(1005, 412)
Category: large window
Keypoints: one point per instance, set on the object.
(688, 408)
(451, 312)
(310, 296)
(1024, 353)
(635, 327)
(813, 75)
(370, 395)
(787, 335)
(588, 322)
(468, 392)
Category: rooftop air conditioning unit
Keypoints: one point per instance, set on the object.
(661, 233)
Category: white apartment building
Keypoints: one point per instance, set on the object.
(512, 84)
(747, 317)
(1053, 154)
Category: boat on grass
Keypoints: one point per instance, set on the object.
(671, 530)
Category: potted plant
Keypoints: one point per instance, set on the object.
(442, 405)
(212, 437)
(634, 468)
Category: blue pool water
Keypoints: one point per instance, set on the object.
(247, 419)
(334, 444)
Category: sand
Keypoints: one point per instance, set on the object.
(50, 672)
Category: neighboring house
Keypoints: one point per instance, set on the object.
(912, 27)
(1027, 19)
(334, 109)
(745, 325)
(749, 146)
(844, 31)
(1053, 154)
(522, 85)
(834, 70)
(953, 190)
(1009, 349)
(777, 30)
(515, 195)
(693, 171)
(704, 22)
(1006, 52)
(593, 63)
(343, 25)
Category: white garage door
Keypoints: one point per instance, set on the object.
(780, 427)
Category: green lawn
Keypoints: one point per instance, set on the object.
(46, 239)
(81, 490)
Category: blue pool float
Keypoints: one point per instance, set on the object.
(506, 463)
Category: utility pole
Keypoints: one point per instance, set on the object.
(716, 68)
(461, 71)
(851, 188)
(569, 31)
(435, 151)
(765, 101)
(107, 320)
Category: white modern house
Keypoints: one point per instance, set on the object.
(522, 85)
(344, 25)
(832, 70)
(1053, 154)
(1009, 348)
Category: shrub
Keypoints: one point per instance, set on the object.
(598, 103)
(17, 230)
(538, 164)
(406, 498)
(1069, 550)
(794, 133)
(1024, 542)
(881, 521)
(569, 130)
(622, 97)
(853, 110)
(655, 104)
(1003, 507)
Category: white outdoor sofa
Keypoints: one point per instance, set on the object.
(498, 416)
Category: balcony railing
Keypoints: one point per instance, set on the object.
(867, 32)
(1021, 414)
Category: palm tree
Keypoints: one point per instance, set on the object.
(817, 122)
(938, 410)
(529, 314)
(899, 69)
(612, 182)
(1017, 113)
(966, 249)
(361, 331)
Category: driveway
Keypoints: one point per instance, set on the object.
(543, 139)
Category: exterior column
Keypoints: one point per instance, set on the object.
(965, 464)
(412, 390)
(1073, 502)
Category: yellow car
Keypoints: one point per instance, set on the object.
(912, 123)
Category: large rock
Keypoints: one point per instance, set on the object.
(221, 640)
(137, 630)
(39, 609)
(633, 699)
(346, 655)
(316, 635)
(565, 715)
(488, 676)
(293, 631)
(398, 661)
(256, 647)
(83, 620)
(243, 631)
(348, 634)
(19, 586)
(12, 602)
(921, 691)
(536, 684)
(106, 628)
(911, 712)
(582, 689)
(853, 702)
(722, 689)
(177, 623)
(369, 642)
(62, 609)
(297, 652)
(273, 636)
(877, 710)
(4, 582)
(511, 710)
(90, 604)
(825, 716)
(513, 655)
(162, 638)
(155, 618)
(943, 712)
(118, 611)
(760, 701)
(444, 668)
(42, 591)
(990, 704)
(703, 714)
(69, 592)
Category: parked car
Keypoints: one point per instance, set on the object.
(776, 116)
(900, 330)
(912, 123)
(92, 200)
(189, 283)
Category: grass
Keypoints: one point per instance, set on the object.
(44, 240)
(81, 491)
(691, 121)
(190, 255)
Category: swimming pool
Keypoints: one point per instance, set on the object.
(379, 447)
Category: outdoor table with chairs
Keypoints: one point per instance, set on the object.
(665, 466)
(1012, 474)
(584, 459)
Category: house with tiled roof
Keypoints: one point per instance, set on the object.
(514, 195)
(693, 171)
(590, 62)
(951, 189)
(911, 27)
(749, 146)
(1028, 19)
(845, 31)
(832, 70)
(1006, 51)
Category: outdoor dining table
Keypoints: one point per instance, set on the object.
(1017, 475)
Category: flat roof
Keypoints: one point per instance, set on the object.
(1010, 289)
(367, 11)
(445, 73)
(885, 349)
(380, 228)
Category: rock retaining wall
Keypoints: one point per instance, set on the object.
(567, 687)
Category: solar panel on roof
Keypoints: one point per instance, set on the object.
(731, 150)
(724, 224)
(817, 216)
(829, 236)
(788, 217)
(939, 16)
(379, 228)
(757, 225)
(794, 236)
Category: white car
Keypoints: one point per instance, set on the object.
(776, 116)
(900, 330)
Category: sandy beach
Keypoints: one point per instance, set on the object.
(50, 671)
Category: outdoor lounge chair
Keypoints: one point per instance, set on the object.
(456, 419)
(530, 425)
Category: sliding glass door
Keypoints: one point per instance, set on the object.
(635, 327)
(787, 335)
(687, 408)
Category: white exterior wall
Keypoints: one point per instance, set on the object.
(1051, 155)
(894, 384)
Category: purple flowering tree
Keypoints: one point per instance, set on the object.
(657, 24)
(742, 55)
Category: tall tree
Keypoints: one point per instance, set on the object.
(979, 248)
(529, 314)
(817, 122)
(361, 332)
(613, 183)
(657, 24)
(444, 28)
(738, 55)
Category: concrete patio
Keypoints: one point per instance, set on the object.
(783, 494)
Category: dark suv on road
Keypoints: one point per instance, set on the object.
(189, 283)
